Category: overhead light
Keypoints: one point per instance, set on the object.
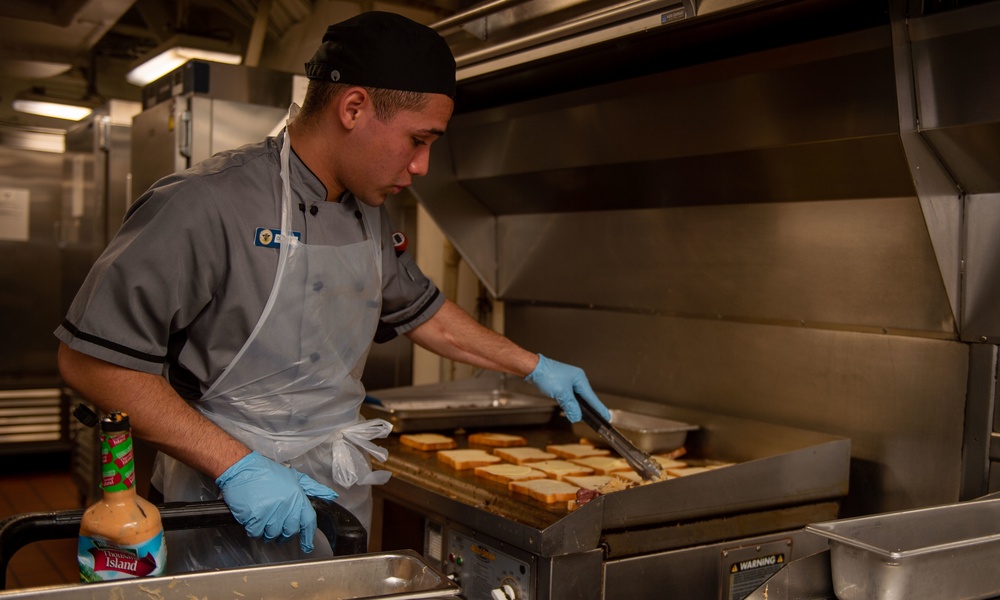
(57, 110)
(177, 51)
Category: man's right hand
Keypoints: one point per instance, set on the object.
(272, 500)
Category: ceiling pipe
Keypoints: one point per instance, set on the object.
(258, 32)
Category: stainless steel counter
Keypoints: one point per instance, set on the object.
(398, 575)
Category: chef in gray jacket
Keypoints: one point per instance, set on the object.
(232, 315)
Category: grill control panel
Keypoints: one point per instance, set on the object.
(483, 571)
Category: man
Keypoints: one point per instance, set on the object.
(232, 315)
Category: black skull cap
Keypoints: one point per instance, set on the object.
(385, 50)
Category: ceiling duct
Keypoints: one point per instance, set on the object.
(59, 13)
(56, 32)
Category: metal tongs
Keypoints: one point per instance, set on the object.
(643, 464)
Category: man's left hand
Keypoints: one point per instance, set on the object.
(563, 383)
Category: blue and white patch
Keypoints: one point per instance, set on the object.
(265, 237)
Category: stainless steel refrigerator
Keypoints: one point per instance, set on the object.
(200, 109)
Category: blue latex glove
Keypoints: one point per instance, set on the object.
(558, 381)
(272, 500)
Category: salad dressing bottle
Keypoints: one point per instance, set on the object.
(121, 535)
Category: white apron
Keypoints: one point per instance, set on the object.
(292, 392)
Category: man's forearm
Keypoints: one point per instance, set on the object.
(453, 334)
(157, 414)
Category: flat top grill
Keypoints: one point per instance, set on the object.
(774, 468)
(422, 468)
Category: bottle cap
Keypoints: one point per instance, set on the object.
(115, 421)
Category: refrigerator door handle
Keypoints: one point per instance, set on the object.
(104, 133)
(184, 134)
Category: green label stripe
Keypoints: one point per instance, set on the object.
(118, 469)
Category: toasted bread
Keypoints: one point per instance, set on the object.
(466, 459)
(685, 471)
(667, 462)
(559, 469)
(503, 440)
(589, 482)
(505, 473)
(548, 491)
(427, 441)
(570, 451)
(523, 455)
(629, 476)
(602, 465)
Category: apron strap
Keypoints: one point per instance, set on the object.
(352, 467)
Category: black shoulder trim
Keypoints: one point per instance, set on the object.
(387, 331)
(93, 339)
(419, 311)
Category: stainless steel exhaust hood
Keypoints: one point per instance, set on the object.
(704, 110)
(568, 107)
(949, 99)
(783, 210)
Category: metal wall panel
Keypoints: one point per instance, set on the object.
(853, 264)
(980, 411)
(958, 91)
(899, 399)
(29, 271)
(982, 269)
(957, 96)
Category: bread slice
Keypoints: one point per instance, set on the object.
(569, 451)
(505, 473)
(602, 465)
(466, 459)
(427, 441)
(548, 491)
(667, 462)
(633, 477)
(629, 476)
(559, 469)
(675, 453)
(685, 471)
(504, 440)
(523, 455)
(589, 482)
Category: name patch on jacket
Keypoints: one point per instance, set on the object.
(271, 238)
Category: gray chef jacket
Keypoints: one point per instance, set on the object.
(181, 286)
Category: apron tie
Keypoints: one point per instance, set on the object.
(349, 465)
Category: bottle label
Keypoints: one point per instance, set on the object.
(117, 468)
(101, 560)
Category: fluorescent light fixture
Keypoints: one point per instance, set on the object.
(174, 54)
(52, 109)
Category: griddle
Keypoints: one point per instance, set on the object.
(776, 468)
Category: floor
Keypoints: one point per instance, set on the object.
(39, 484)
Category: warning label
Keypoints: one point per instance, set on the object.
(745, 576)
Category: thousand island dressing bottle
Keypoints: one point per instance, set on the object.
(121, 535)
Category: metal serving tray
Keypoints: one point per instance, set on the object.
(469, 409)
(946, 552)
(396, 575)
(649, 434)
